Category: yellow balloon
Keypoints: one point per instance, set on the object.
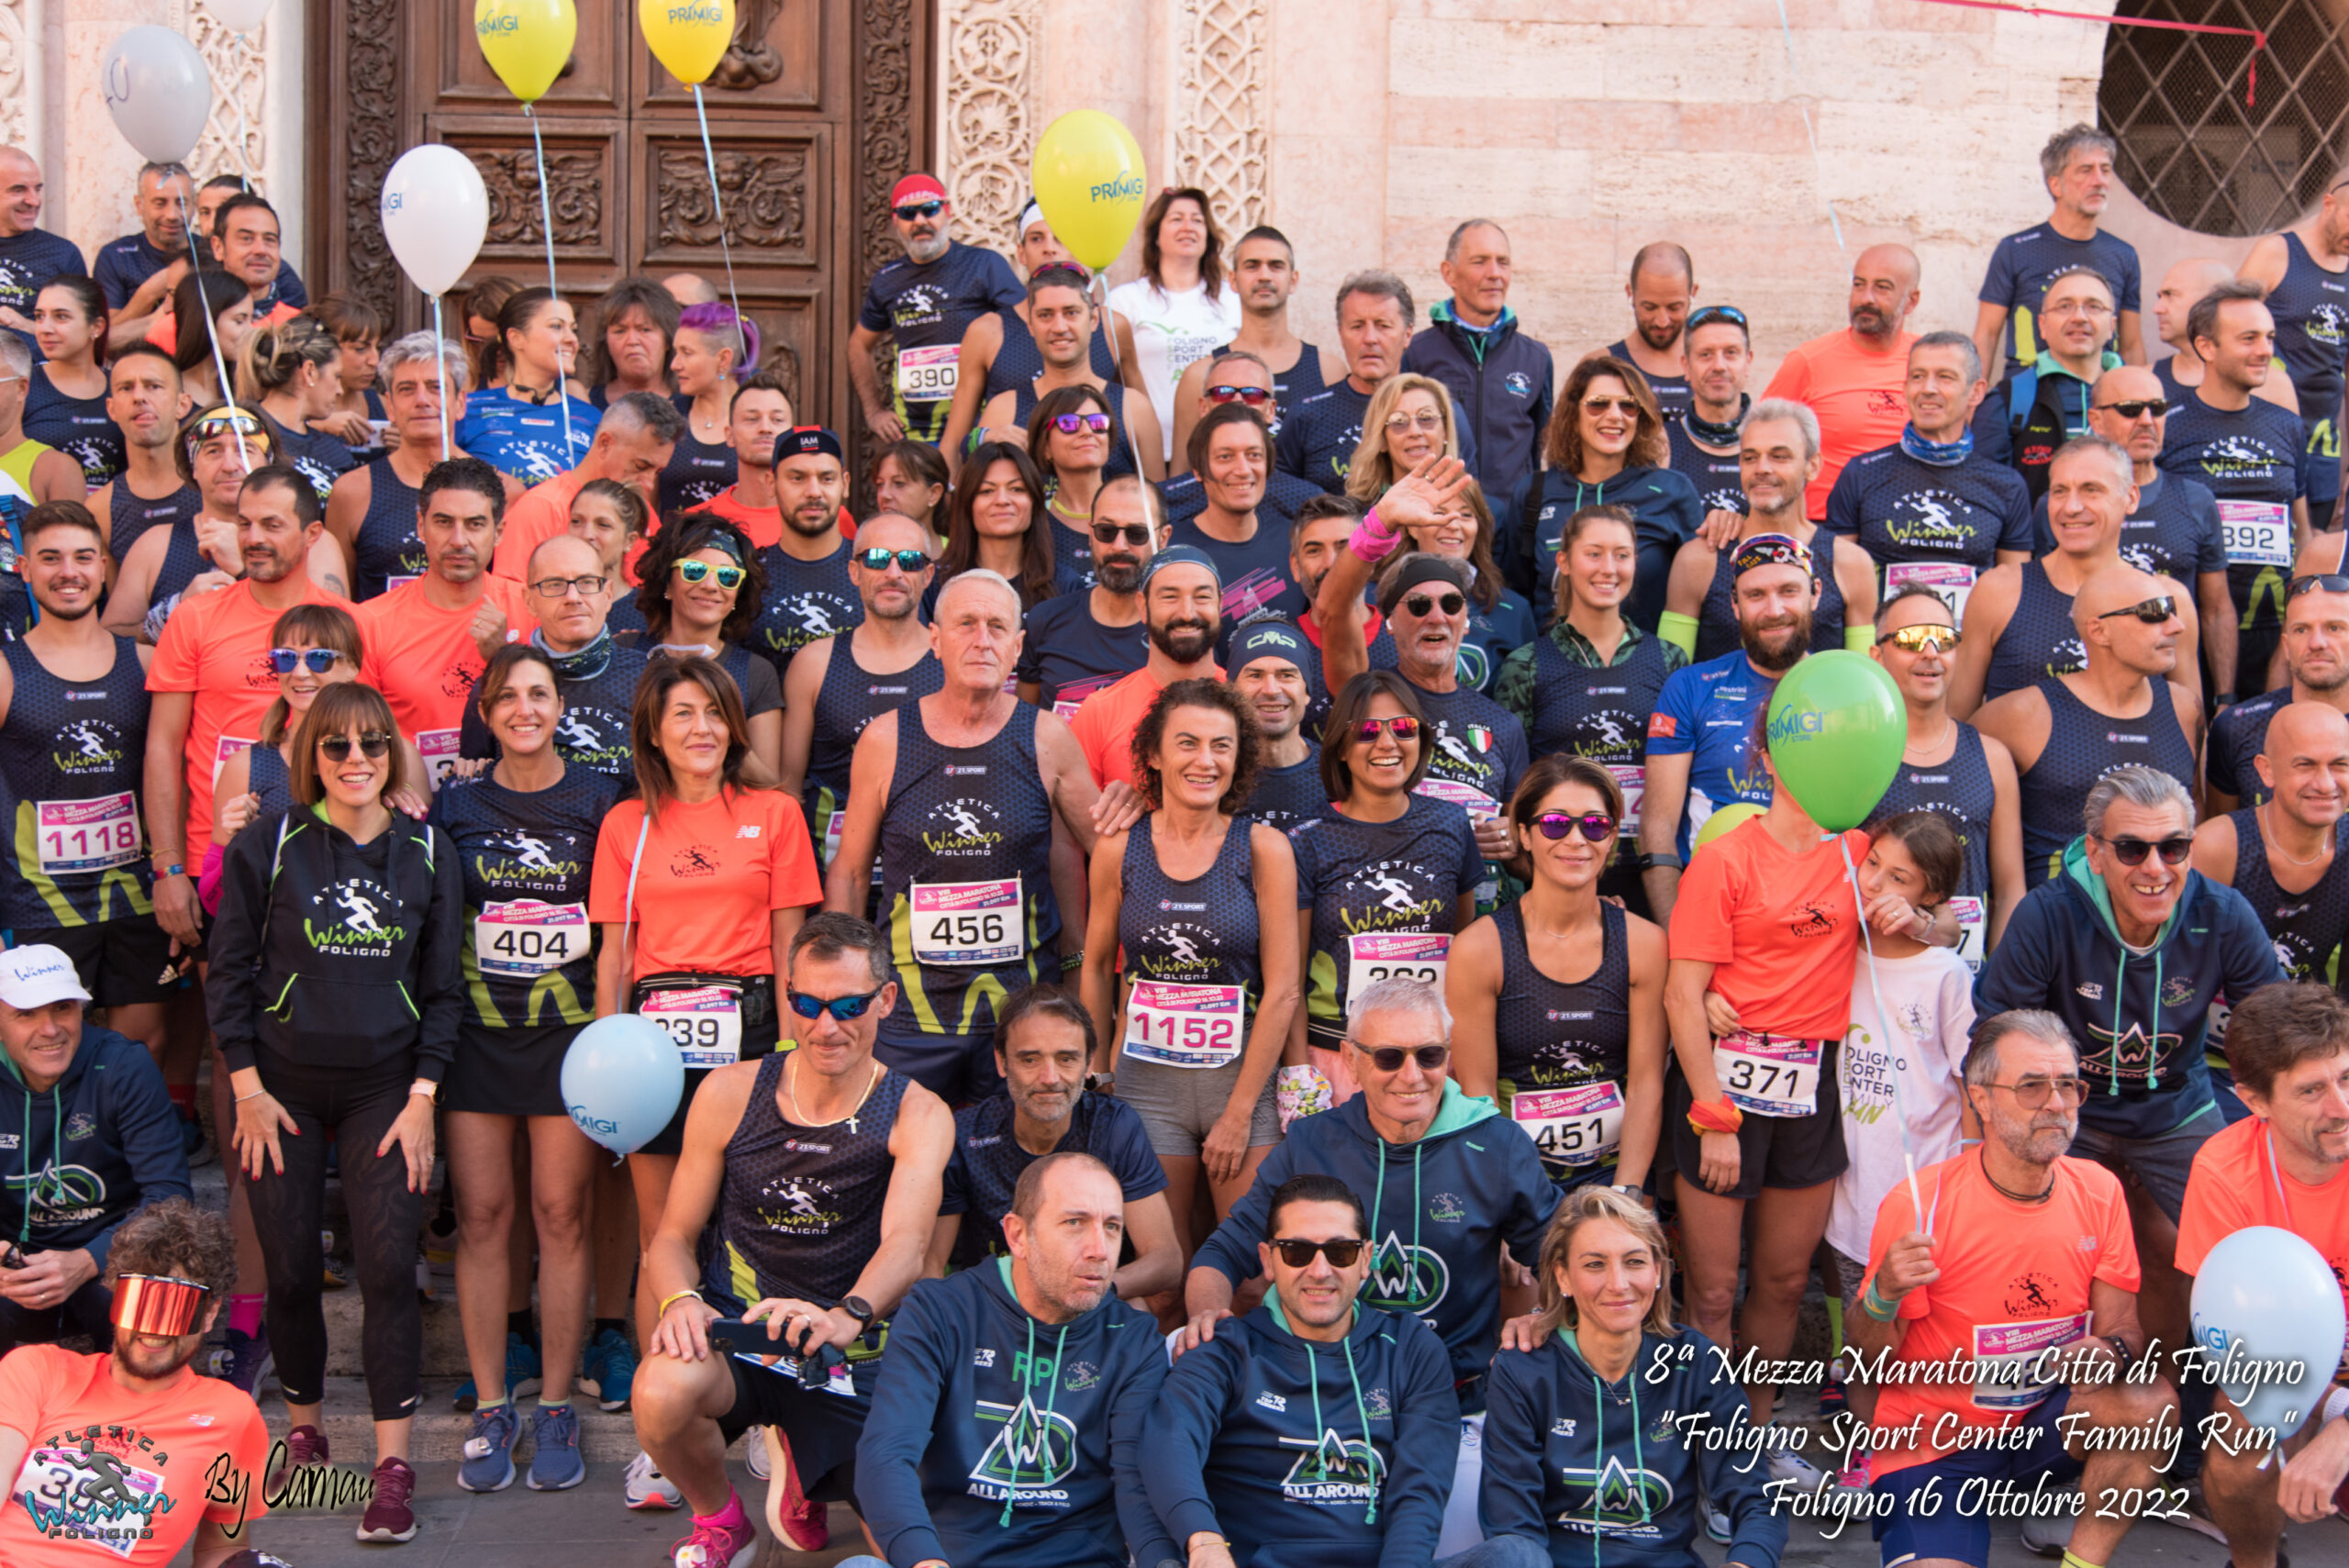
(1088, 179)
(1727, 820)
(688, 36)
(526, 41)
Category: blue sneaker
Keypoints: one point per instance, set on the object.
(523, 1374)
(555, 1465)
(243, 1360)
(488, 1464)
(608, 1369)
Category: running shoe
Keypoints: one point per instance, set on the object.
(523, 1374)
(791, 1512)
(648, 1488)
(715, 1545)
(1833, 1401)
(304, 1445)
(388, 1516)
(555, 1465)
(1789, 1466)
(243, 1360)
(488, 1464)
(755, 1454)
(608, 1369)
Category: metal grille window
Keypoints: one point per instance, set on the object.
(2189, 149)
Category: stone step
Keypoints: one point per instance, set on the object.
(607, 1441)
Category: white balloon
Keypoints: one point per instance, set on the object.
(436, 211)
(2268, 1293)
(237, 15)
(158, 92)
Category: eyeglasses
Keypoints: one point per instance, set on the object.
(1402, 727)
(1254, 396)
(1297, 1253)
(1621, 405)
(695, 571)
(2132, 851)
(1389, 1058)
(1425, 419)
(1070, 424)
(2316, 582)
(320, 660)
(2152, 612)
(563, 587)
(913, 210)
(908, 561)
(2089, 308)
(1449, 603)
(2031, 1094)
(844, 1009)
(1135, 534)
(371, 745)
(1597, 825)
(1919, 638)
(2137, 407)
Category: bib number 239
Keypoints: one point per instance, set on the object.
(705, 1022)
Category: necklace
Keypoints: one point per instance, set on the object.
(2006, 1191)
(800, 1116)
(1948, 724)
(2270, 830)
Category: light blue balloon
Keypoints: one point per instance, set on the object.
(622, 1081)
(2272, 1296)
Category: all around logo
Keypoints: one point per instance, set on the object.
(1610, 734)
(2328, 323)
(2130, 1055)
(2239, 457)
(1406, 1278)
(802, 617)
(86, 746)
(923, 304)
(1622, 1499)
(539, 861)
(2068, 657)
(1332, 1469)
(1386, 895)
(798, 1205)
(1030, 1456)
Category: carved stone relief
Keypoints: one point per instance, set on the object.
(993, 82)
(230, 145)
(16, 104)
(576, 182)
(369, 80)
(1220, 143)
(765, 207)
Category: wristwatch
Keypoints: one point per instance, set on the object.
(857, 1307)
(1659, 861)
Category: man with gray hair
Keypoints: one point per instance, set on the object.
(632, 446)
(372, 513)
(1500, 380)
(1466, 1182)
(1317, 437)
(2076, 164)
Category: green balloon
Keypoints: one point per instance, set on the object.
(1837, 729)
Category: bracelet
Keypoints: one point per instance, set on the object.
(669, 1301)
(1715, 1116)
(1876, 1306)
(256, 1094)
(174, 868)
(1372, 539)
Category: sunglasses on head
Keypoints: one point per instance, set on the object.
(1254, 396)
(1451, 604)
(1402, 727)
(371, 745)
(908, 561)
(1390, 1058)
(1070, 424)
(2132, 851)
(695, 571)
(913, 210)
(2152, 612)
(1597, 825)
(2137, 407)
(318, 659)
(1297, 1253)
(1135, 534)
(844, 1009)
(1706, 314)
(1919, 637)
(2317, 582)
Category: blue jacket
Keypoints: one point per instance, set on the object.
(2137, 1021)
(980, 1399)
(1501, 385)
(1306, 1455)
(102, 1144)
(1566, 1451)
(1439, 1211)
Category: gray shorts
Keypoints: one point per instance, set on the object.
(1851, 1272)
(2160, 1164)
(1180, 1106)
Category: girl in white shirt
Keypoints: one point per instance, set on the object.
(1181, 307)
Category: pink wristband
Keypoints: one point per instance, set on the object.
(1373, 540)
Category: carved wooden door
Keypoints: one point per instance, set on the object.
(814, 112)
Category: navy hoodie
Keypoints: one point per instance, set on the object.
(102, 1144)
(1500, 380)
(1439, 1208)
(1565, 1450)
(2139, 1022)
(1309, 1456)
(980, 1398)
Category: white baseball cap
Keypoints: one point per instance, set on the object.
(35, 976)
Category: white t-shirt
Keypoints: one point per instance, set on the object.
(1170, 331)
(1930, 998)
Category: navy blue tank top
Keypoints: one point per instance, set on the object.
(267, 777)
(1017, 361)
(2310, 307)
(851, 697)
(2039, 640)
(132, 515)
(696, 471)
(1564, 1048)
(388, 551)
(2083, 745)
(1199, 932)
(1960, 789)
(78, 426)
(1582, 710)
(1672, 395)
(182, 563)
(71, 756)
(1717, 622)
(2306, 926)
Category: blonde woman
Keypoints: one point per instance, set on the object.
(1410, 419)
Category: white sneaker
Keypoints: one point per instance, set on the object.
(648, 1488)
(1717, 1523)
(1787, 1465)
(755, 1455)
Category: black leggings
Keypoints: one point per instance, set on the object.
(358, 1109)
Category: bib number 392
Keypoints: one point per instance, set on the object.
(968, 923)
(1767, 1075)
(1374, 956)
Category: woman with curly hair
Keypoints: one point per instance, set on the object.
(701, 586)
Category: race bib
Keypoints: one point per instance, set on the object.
(705, 1022)
(525, 937)
(439, 747)
(1064, 709)
(2003, 1354)
(392, 582)
(1954, 584)
(968, 923)
(927, 375)
(1633, 780)
(1374, 956)
(1578, 1125)
(1973, 923)
(73, 837)
(1767, 1075)
(839, 1380)
(2256, 533)
(1468, 796)
(228, 747)
(1185, 1025)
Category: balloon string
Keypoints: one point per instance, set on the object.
(211, 329)
(1884, 1030)
(1116, 374)
(717, 210)
(545, 223)
(441, 362)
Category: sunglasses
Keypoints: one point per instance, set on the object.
(2130, 852)
(1402, 727)
(1597, 825)
(1706, 314)
(908, 561)
(1070, 424)
(1449, 603)
(318, 659)
(1254, 396)
(695, 571)
(1918, 639)
(371, 745)
(1425, 419)
(2152, 612)
(843, 1008)
(562, 587)
(1389, 1058)
(1621, 404)
(1135, 534)
(2031, 1094)
(1297, 1253)
(211, 424)
(2317, 582)
(913, 210)
(2138, 407)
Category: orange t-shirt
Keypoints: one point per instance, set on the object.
(714, 874)
(115, 1476)
(1782, 930)
(2238, 1182)
(1106, 721)
(1859, 396)
(534, 516)
(764, 524)
(428, 661)
(2014, 1282)
(164, 331)
(216, 646)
